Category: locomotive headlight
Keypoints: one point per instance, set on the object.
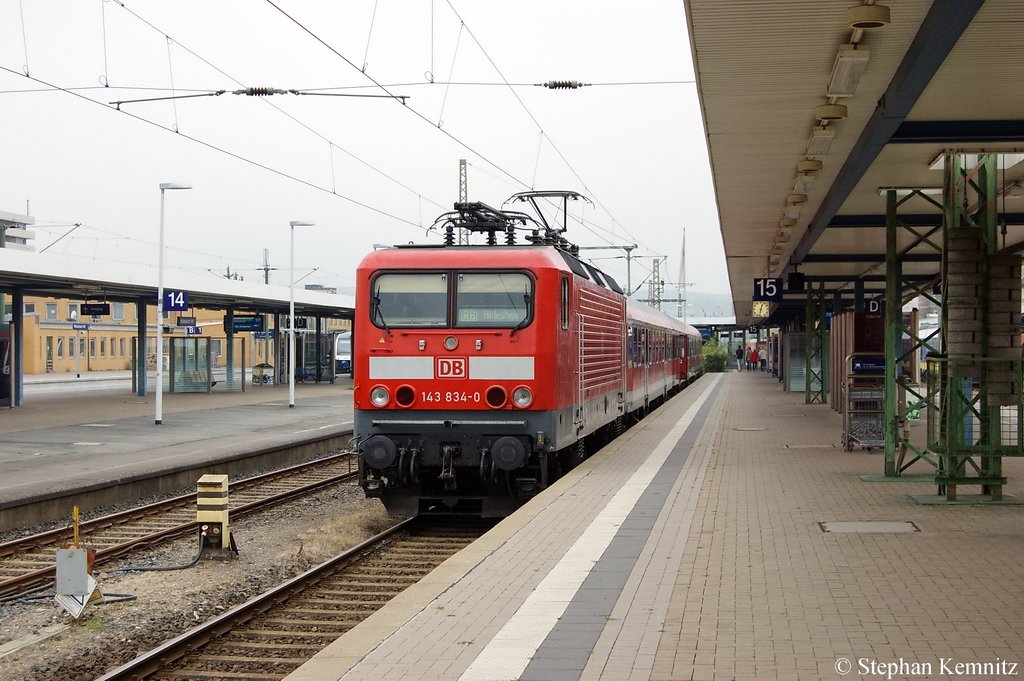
(379, 396)
(451, 342)
(522, 397)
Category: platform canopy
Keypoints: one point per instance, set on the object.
(60, 276)
(937, 76)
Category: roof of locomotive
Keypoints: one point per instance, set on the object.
(433, 255)
(533, 256)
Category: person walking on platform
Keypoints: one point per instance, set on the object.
(752, 359)
(739, 358)
(762, 355)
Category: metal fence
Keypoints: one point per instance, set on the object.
(974, 407)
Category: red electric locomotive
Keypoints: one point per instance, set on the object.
(483, 372)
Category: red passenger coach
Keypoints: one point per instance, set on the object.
(482, 373)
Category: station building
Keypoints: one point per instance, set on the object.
(53, 345)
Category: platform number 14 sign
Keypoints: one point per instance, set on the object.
(768, 289)
(176, 301)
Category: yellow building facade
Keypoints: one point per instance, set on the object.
(53, 345)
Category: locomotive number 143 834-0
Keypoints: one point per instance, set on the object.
(450, 396)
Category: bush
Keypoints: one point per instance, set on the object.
(714, 357)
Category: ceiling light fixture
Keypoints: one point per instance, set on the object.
(803, 182)
(867, 16)
(847, 70)
(796, 199)
(811, 165)
(792, 212)
(830, 112)
(787, 224)
(821, 140)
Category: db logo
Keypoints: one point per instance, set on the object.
(451, 367)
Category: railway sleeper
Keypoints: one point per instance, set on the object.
(409, 554)
(225, 676)
(276, 635)
(379, 586)
(352, 614)
(391, 573)
(389, 569)
(434, 544)
(304, 648)
(318, 608)
(291, 661)
(375, 585)
(342, 596)
(283, 623)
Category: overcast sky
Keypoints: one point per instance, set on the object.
(365, 170)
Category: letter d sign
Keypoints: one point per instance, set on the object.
(451, 367)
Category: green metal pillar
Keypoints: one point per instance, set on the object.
(816, 369)
(903, 394)
(893, 336)
(984, 361)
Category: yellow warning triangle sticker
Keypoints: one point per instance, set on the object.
(381, 339)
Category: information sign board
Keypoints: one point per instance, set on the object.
(248, 323)
(768, 289)
(175, 301)
(90, 309)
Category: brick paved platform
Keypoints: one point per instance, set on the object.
(695, 547)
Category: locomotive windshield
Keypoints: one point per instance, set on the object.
(478, 299)
(411, 300)
(492, 299)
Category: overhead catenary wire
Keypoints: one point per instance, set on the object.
(285, 113)
(588, 225)
(232, 154)
(423, 117)
(463, 26)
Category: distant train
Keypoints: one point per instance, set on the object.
(343, 353)
(483, 373)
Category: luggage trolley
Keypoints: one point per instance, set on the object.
(864, 401)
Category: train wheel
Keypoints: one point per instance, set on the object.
(577, 453)
(618, 427)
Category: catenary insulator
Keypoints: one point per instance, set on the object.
(563, 84)
(259, 91)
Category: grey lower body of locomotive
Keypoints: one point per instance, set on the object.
(475, 462)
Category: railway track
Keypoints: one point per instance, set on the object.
(29, 561)
(273, 634)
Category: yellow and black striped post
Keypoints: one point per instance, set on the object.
(212, 514)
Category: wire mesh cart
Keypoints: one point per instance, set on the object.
(864, 401)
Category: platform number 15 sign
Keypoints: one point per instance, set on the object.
(768, 289)
(176, 301)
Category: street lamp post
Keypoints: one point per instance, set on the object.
(291, 312)
(164, 186)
